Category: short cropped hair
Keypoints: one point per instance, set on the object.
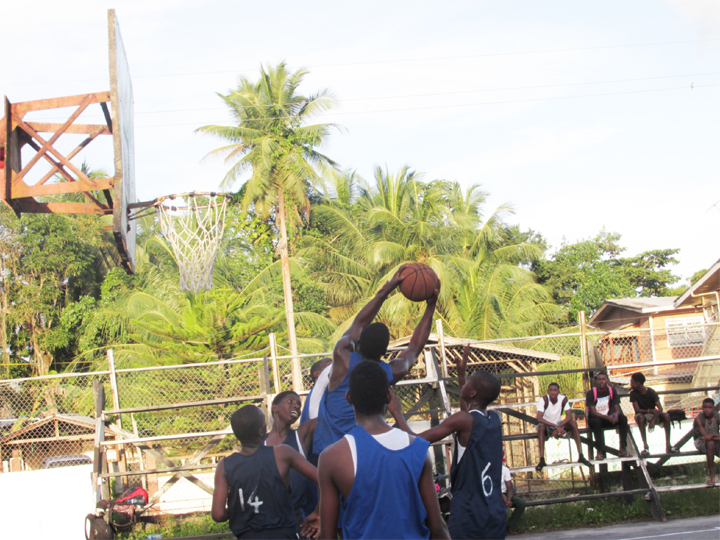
(282, 395)
(374, 340)
(638, 377)
(556, 385)
(369, 387)
(318, 366)
(486, 385)
(246, 422)
(602, 373)
(708, 400)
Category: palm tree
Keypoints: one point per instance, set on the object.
(273, 141)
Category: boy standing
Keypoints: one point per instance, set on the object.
(477, 509)
(285, 411)
(603, 406)
(381, 477)
(648, 411)
(251, 486)
(550, 411)
(706, 436)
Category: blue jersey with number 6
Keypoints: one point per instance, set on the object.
(477, 509)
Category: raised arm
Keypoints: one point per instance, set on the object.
(219, 509)
(461, 364)
(402, 364)
(346, 344)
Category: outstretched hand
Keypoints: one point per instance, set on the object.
(311, 525)
(461, 362)
(397, 279)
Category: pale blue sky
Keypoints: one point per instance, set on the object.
(578, 114)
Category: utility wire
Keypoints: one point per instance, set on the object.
(434, 94)
(389, 61)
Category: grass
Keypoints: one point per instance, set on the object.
(601, 512)
(177, 526)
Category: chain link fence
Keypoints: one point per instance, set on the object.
(178, 416)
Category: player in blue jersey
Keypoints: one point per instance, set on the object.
(477, 509)
(251, 486)
(381, 477)
(365, 341)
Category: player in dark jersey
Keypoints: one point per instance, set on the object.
(477, 509)
(286, 411)
(251, 486)
(365, 341)
(381, 477)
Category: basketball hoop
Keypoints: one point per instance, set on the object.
(194, 231)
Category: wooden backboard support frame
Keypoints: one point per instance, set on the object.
(17, 132)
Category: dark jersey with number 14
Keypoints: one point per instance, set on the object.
(258, 498)
(477, 509)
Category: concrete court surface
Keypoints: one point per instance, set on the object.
(702, 528)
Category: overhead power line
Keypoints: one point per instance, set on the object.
(432, 94)
(387, 61)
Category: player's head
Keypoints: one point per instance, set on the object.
(707, 407)
(318, 367)
(248, 424)
(286, 407)
(637, 380)
(553, 390)
(373, 342)
(482, 388)
(369, 390)
(601, 380)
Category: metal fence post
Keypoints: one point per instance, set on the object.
(441, 342)
(584, 351)
(273, 355)
(114, 385)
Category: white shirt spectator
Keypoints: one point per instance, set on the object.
(320, 386)
(554, 411)
(506, 477)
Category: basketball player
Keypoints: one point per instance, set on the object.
(365, 341)
(380, 476)
(477, 509)
(251, 486)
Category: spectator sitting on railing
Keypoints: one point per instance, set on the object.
(251, 486)
(706, 434)
(648, 411)
(285, 412)
(550, 411)
(603, 404)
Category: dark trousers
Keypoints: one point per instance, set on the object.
(518, 504)
(598, 425)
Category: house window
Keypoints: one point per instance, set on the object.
(685, 332)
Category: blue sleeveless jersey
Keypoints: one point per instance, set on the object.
(385, 501)
(258, 498)
(477, 509)
(335, 415)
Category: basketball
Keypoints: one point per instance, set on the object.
(419, 282)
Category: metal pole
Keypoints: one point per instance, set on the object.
(273, 355)
(441, 342)
(114, 384)
(652, 344)
(583, 351)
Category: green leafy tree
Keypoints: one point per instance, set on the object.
(585, 274)
(273, 141)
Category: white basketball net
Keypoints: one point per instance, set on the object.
(194, 231)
